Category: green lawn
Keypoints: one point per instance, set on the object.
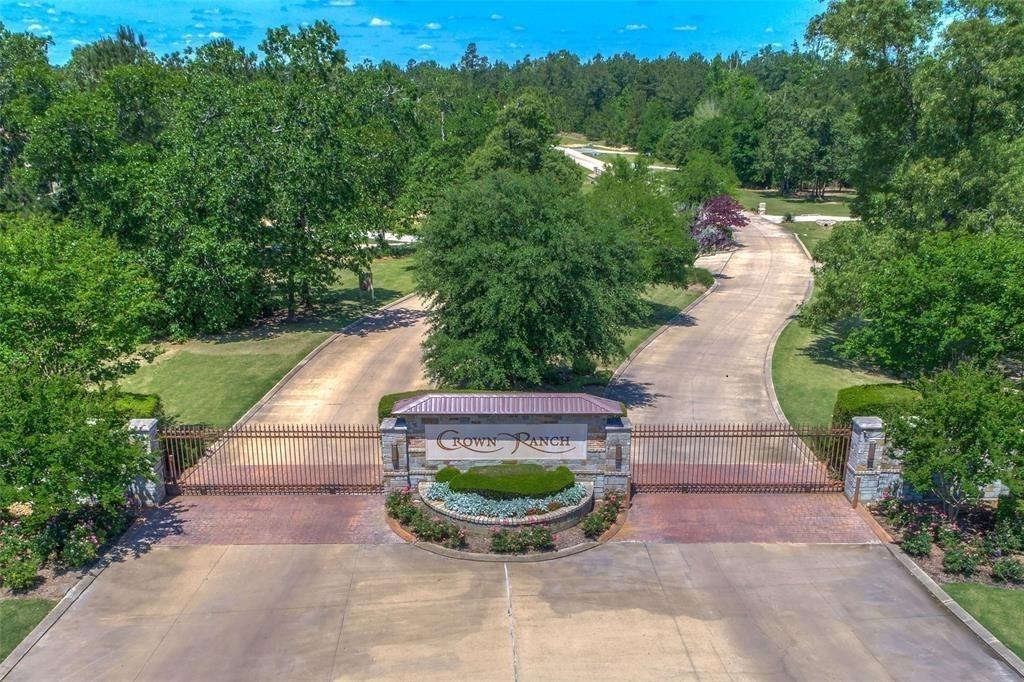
(834, 205)
(17, 618)
(665, 302)
(215, 380)
(807, 375)
(999, 609)
(809, 233)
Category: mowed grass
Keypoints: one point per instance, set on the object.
(806, 370)
(665, 302)
(808, 374)
(17, 618)
(776, 204)
(215, 380)
(809, 233)
(999, 609)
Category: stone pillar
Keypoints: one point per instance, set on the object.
(394, 450)
(618, 442)
(869, 472)
(149, 493)
(762, 208)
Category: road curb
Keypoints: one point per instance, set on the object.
(1000, 649)
(309, 357)
(769, 357)
(503, 559)
(658, 332)
(50, 619)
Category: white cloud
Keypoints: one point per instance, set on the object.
(433, 26)
(51, 11)
(636, 27)
(685, 27)
(341, 3)
(215, 34)
(377, 21)
(769, 30)
(517, 27)
(425, 46)
(34, 27)
(496, 17)
(199, 25)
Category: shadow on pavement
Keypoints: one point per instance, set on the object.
(393, 318)
(631, 393)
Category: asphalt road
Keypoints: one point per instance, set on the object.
(343, 381)
(714, 365)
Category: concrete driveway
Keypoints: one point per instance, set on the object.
(622, 611)
(714, 366)
(342, 382)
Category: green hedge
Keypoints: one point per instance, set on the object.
(510, 480)
(873, 400)
(140, 405)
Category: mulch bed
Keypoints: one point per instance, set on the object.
(974, 524)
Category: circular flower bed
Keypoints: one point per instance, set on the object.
(527, 536)
(471, 510)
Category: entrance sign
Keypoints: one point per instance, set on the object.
(506, 441)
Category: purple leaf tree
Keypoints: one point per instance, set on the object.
(715, 221)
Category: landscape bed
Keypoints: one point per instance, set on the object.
(490, 521)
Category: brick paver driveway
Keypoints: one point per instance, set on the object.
(633, 611)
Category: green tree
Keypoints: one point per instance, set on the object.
(520, 281)
(73, 303)
(63, 445)
(701, 177)
(628, 197)
(965, 434)
(521, 141)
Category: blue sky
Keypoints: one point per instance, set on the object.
(400, 30)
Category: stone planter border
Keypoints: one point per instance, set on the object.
(560, 519)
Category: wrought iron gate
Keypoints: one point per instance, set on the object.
(738, 458)
(273, 459)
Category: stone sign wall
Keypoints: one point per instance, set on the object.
(594, 448)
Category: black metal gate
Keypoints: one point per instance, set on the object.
(273, 459)
(738, 458)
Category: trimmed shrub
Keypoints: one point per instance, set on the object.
(917, 544)
(447, 474)
(1008, 570)
(504, 481)
(887, 401)
(140, 405)
(960, 560)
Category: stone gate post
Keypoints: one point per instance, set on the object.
(869, 471)
(149, 493)
(394, 450)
